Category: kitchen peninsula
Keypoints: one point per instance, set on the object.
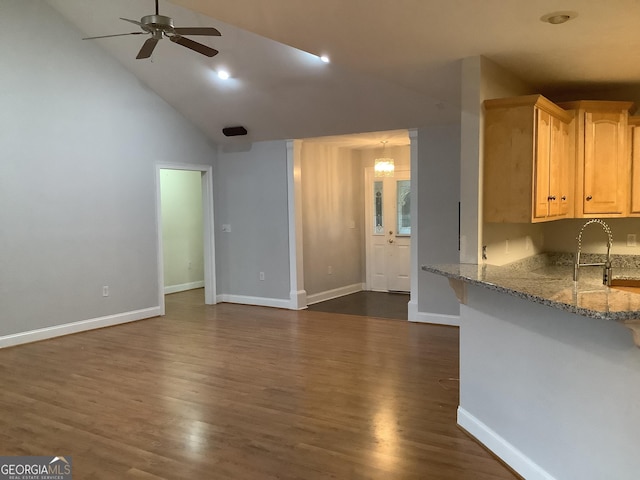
(549, 375)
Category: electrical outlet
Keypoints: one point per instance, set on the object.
(631, 240)
(105, 291)
(261, 275)
(528, 245)
(330, 270)
(226, 228)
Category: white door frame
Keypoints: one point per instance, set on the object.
(207, 226)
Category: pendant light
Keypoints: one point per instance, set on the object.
(383, 166)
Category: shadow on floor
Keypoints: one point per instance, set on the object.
(367, 304)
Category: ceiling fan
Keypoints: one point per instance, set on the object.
(159, 26)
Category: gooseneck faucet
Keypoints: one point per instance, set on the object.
(606, 272)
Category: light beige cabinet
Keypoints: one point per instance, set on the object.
(634, 149)
(602, 163)
(527, 172)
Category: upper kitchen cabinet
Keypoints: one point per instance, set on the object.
(527, 169)
(634, 133)
(602, 157)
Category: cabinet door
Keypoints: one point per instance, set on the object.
(551, 188)
(635, 171)
(605, 164)
(559, 180)
(542, 164)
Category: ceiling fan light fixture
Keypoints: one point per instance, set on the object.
(223, 75)
(558, 18)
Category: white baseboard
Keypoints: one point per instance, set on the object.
(75, 327)
(513, 457)
(437, 318)
(258, 301)
(335, 293)
(298, 300)
(183, 287)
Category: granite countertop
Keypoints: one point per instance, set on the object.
(553, 285)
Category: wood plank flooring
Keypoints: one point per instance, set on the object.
(239, 392)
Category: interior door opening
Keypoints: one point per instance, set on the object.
(185, 239)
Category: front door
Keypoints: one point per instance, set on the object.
(388, 232)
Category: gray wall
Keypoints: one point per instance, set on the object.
(552, 393)
(333, 217)
(438, 197)
(250, 195)
(79, 138)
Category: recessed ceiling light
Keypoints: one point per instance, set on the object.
(223, 74)
(324, 58)
(557, 18)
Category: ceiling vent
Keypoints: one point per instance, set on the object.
(234, 131)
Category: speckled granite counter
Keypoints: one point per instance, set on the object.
(553, 285)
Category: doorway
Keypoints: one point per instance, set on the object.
(388, 231)
(327, 181)
(192, 268)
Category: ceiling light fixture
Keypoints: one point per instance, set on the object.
(383, 166)
(223, 74)
(558, 18)
(324, 58)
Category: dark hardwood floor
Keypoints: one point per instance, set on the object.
(367, 304)
(240, 392)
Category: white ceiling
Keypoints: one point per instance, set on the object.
(395, 65)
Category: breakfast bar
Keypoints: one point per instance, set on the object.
(549, 375)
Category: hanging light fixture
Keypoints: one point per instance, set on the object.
(384, 166)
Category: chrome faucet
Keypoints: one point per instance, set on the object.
(606, 272)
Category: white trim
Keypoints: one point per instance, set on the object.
(258, 301)
(75, 327)
(509, 454)
(435, 318)
(298, 300)
(208, 225)
(335, 293)
(297, 294)
(183, 287)
(415, 217)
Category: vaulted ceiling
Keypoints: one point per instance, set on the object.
(394, 65)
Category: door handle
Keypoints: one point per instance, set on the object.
(390, 240)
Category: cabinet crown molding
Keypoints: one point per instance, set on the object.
(592, 105)
(536, 100)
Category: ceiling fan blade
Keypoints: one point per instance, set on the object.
(147, 48)
(116, 35)
(197, 31)
(195, 46)
(132, 21)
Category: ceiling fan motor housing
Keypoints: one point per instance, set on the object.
(158, 21)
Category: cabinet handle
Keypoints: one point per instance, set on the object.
(564, 197)
(589, 198)
(390, 240)
(551, 197)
